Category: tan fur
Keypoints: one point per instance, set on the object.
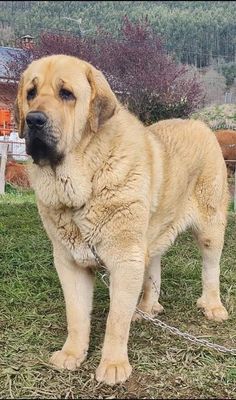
(129, 191)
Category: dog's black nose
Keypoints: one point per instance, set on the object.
(36, 119)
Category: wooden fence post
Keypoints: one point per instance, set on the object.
(3, 155)
(235, 187)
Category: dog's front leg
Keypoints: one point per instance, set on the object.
(127, 270)
(77, 284)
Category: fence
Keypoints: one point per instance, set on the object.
(17, 151)
(3, 154)
(10, 150)
(16, 147)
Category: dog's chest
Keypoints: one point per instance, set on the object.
(70, 236)
(63, 187)
(62, 194)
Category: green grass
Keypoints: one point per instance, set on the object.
(33, 322)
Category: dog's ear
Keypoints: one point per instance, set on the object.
(18, 112)
(103, 101)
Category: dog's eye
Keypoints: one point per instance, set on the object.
(31, 94)
(66, 95)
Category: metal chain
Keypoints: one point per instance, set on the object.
(157, 322)
(185, 335)
(97, 258)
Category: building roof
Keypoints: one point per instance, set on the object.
(8, 54)
(27, 37)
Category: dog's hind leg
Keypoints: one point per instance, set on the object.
(210, 239)
(151, 289)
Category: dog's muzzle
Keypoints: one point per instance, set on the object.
(41, 145)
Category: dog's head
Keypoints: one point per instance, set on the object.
(59, 99)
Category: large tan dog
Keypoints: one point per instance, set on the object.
(102, 179)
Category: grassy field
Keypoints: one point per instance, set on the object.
(33, 324)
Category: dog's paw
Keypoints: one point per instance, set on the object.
(215, 312)
(112, 373)
(65, 360)
(153, 310)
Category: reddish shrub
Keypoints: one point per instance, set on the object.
(152, 84)
(16, 174)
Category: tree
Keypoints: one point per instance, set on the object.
(139, 70)
(147, 79)
(215, 87)
(196, 31)
(229, 72)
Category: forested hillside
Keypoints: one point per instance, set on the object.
(196, 31)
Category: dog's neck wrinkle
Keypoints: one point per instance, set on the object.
(68, 184)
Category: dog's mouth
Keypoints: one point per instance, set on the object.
(43, 151)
